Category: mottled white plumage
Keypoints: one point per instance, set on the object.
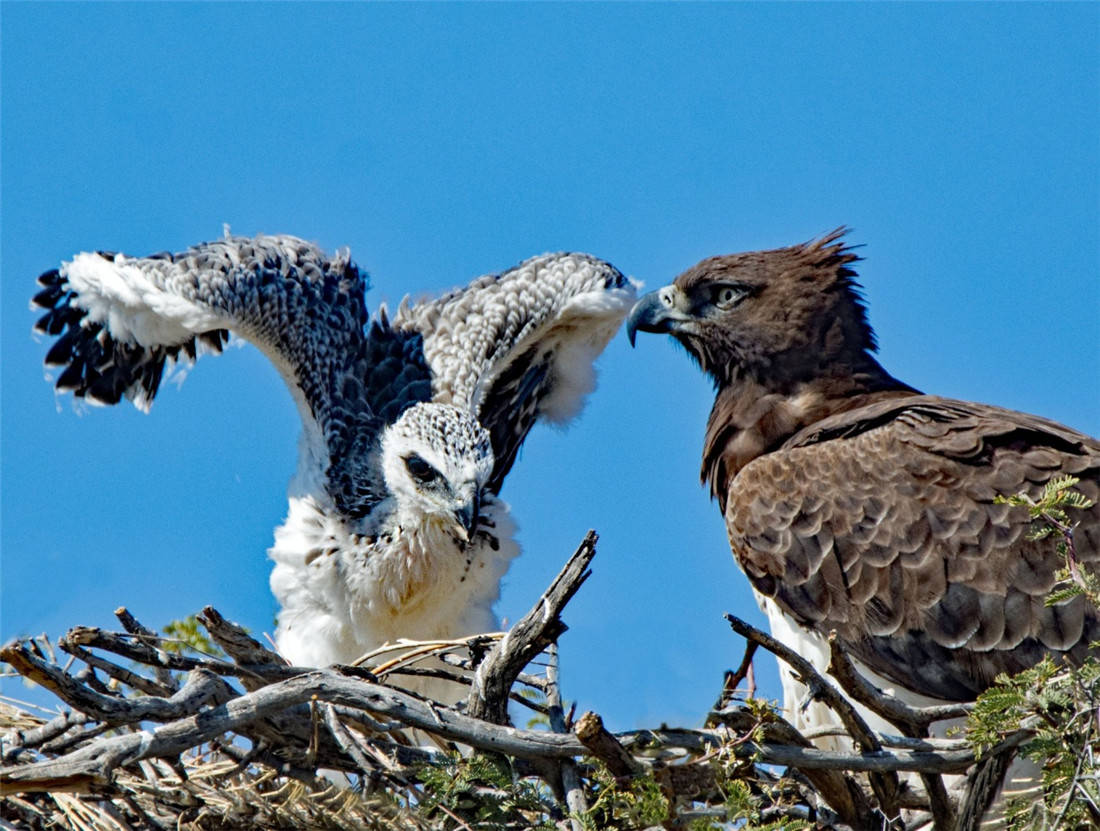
(394, 528)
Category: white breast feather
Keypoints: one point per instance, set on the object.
(341, 605)
(809, 715)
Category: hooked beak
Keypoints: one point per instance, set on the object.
(466, 518)
(659, 311)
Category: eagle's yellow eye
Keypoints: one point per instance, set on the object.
(726, 297)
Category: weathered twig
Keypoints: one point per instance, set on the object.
(982, 786)
(537, 682)
(373, 768)
(134, 627)
(570, 778)
(202, 687)
(912, 721)
(457, 678)
(773, 753)
(605, 747)
(986, 779)
(93, 764)
(136, 649)
(31, 738)
(891, 740)
(120, 674)
(819, 687)
(534, 632)
(739, 675)
(885, 784)
(840, 792)
(240, 646)
(74, 738)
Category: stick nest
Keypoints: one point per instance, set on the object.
(158, 737)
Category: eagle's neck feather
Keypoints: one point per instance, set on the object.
(751, 417)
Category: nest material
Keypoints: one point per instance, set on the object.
(185, 740)
(205, 789)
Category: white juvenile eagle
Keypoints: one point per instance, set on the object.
(410, 424)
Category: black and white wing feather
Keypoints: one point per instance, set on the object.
(393, 527)
(517, 347)
(119, 320)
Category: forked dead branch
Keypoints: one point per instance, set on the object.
(162, 738)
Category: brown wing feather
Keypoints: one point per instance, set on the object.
(879, 523)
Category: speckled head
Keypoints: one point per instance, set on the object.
(436, 459)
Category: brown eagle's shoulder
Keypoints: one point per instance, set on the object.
(939, 424)
(882, 523)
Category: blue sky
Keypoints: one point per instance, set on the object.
(440, 142)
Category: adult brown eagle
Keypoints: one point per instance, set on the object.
(859, 505)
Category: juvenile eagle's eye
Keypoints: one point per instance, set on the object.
(420, 470)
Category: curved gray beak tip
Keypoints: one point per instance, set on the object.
(648, 315)
(467, 517)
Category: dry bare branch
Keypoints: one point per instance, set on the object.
(605, 747)
(570, 777)
(533, 633)
(884, 783)
(240, 744)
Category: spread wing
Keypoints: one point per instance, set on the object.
(880, 524)
(119, 320)
(517, 347)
